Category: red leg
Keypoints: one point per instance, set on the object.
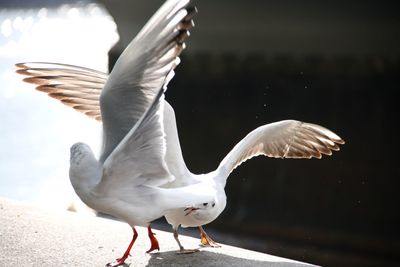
(154, 241)
(121, 261)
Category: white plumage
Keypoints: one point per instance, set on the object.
(141, 175)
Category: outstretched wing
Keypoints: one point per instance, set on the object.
(64, 82)
(139, 157)
(174, 158)
(283, 139)
(74, 86)
(141, 70)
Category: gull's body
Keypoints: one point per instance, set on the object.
(141, 174)
(126, 180)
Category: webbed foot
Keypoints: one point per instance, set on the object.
(206, 240)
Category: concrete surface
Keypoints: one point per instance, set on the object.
(31, 236)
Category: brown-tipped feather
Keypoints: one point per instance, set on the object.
(80, 107)
(58, 66)
(72, 100)
(284, 139)
(192, 11)
(74, 95)
(183, 34)
(59, 72)
(70, 88)
(62, 79)
(73, 86)
(186, 25)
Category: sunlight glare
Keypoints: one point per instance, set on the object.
(39, 131)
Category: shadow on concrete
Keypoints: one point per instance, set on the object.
(210, 259)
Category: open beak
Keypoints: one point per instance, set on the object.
(190, 210)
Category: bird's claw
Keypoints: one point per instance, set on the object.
(210, 245)
(153, 247)
(187, 251)
(117, 262)
(206, 240)
(154, 241)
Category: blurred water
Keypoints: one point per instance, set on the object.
(35, 130)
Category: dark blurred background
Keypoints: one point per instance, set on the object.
(334, 63)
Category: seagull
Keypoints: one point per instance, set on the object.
(126, 180)
(142, 161)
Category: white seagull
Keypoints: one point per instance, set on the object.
(141, 174)
(126, 180)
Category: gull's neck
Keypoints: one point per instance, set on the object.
(218, 177)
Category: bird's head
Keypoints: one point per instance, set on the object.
(84, 168)
(205, 212)
(79, 151)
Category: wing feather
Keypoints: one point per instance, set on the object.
(283, 139)
(141, 70)
(74, 86)
(139, 157)
(64, 93)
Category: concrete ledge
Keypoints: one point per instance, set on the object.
(30, 236)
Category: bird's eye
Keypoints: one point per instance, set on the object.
(205, 204)
(213, 204)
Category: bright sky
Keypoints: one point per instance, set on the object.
(36, 131)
